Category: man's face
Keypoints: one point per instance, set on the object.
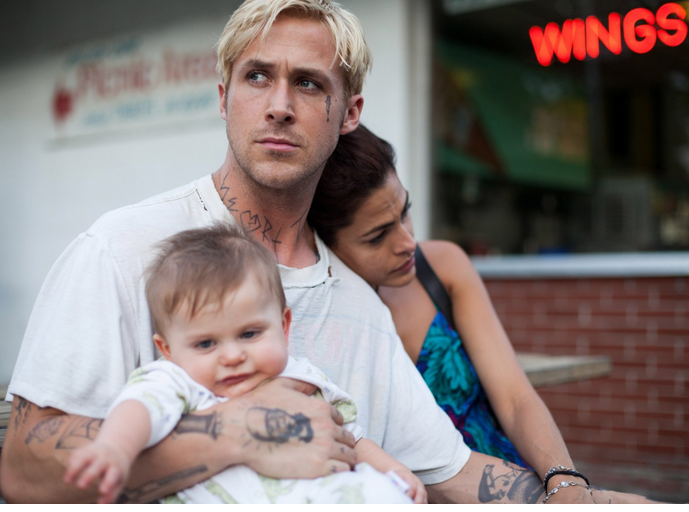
(284, 107)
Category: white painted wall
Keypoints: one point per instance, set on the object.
(52, 193)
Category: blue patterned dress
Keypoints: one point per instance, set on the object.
(451, 377)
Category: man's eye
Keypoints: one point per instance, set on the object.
(258, 77)
(205, 344)
(305, 83)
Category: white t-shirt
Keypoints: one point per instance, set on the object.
(90, 328)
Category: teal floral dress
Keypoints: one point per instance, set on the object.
(451, 377)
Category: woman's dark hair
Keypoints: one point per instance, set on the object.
(357, 168)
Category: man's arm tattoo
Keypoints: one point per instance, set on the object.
(209, 424)
(278, 426)
(45, 429)
(78, 430)
(23, 409)
(518, 484)
(137, 494)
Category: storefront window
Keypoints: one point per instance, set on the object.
(561, 126)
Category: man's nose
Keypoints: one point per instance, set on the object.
(280, 106)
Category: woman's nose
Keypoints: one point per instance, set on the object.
(406, 243)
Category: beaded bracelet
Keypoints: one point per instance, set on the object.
(562, 470)
(563, 485)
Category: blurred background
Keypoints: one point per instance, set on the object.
(568, 182)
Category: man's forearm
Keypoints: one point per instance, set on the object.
(40, 441)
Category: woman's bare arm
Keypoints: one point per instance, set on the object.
(521, 412)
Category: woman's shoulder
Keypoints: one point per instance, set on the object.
(448, 260)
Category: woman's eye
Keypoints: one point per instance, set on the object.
(406, 209)
(378, 239)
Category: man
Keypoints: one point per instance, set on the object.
(292, 77)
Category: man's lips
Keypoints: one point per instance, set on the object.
(278, 144)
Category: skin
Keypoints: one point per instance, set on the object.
(284, 109)
(230, 348)
(40, 440)
(379, 246)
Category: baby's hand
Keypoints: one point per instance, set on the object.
(102, 462)
(416, 490)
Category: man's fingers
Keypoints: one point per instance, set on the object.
(336, 466)
(344, 454)
(336, 416)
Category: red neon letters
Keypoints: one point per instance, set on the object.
(579, 38)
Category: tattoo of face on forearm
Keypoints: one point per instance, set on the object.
(278, 426)
(518, 484)
(209, 424)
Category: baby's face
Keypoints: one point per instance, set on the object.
(231, 348)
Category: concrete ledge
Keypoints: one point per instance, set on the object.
(584, 265)
(544, 370)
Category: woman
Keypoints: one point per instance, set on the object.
(361, 210)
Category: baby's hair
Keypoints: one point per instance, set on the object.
(200, 266)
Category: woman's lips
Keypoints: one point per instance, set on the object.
(406, 267)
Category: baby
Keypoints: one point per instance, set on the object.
(221, 323)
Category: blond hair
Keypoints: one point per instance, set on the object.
(198, 267)
(254, 18)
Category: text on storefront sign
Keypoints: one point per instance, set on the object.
(581, 38)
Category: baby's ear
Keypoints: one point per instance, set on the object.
(286, 321)
(162, 345)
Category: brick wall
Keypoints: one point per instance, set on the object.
(628, 431)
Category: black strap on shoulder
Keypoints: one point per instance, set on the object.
(436, 290)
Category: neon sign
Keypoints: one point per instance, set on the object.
(580, 38)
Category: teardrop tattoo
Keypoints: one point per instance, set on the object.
(327, 109)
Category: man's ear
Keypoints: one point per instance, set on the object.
(352, 114)
(223, 100)
(162, 345)
(286, 322)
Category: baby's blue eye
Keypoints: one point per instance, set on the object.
(248, 335)
(205, 344)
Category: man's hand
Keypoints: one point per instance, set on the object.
(99, 462)
(290, 435)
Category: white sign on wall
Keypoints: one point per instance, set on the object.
(138, 81)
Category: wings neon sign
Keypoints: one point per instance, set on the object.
(579, 38)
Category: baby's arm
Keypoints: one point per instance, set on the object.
(124, 435)
(370, 452)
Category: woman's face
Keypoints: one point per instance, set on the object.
(379, 245)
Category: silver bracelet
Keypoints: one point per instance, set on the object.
(563, 485)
